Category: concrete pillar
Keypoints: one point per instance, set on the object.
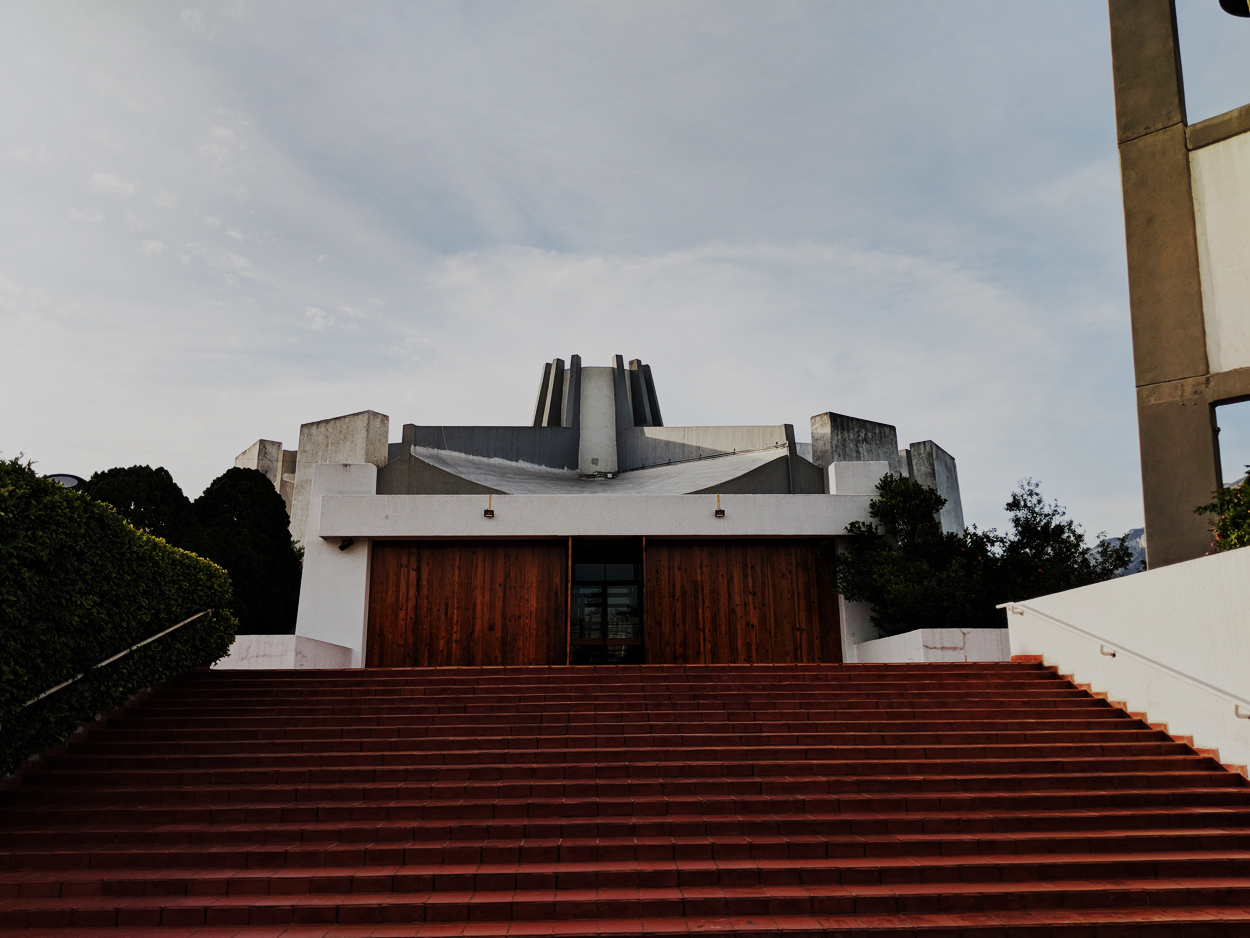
(354, 438)
(838, 438)
(599, 406)
(334, 591)
(933, 466)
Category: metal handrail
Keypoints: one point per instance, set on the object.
(120, 654)
(1236, 699)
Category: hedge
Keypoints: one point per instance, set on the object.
(77, 585)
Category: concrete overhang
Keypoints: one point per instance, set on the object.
(533, 516)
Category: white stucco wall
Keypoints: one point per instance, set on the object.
(1221, 187)
(938, 645)
(1192, 616)
(401, 516)
(334, 591)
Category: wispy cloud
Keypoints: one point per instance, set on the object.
(109, 184)
(152, 248)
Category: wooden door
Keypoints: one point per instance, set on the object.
(474, 603)
(738, 602)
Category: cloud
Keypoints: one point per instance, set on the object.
(109, 184)
(93, 217)
(235, 233)
(28, 155)
(165, 199)
(134, 223)
(232, 260)
(152, 247)
(212, 222)
(318, 318)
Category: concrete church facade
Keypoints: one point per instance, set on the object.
(595, 535)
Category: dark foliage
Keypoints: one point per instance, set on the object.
(245, 528)
(916, 576)
(150, 500)
(1231, 516)
(240, 522)
(77, 585)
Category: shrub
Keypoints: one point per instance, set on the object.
(77, 585)
(916, 576)
(1231, 511)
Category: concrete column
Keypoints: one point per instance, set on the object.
(838, 438)
(597, 448)
(354, 438)
(334, 591)
(1178, 442)
(933, 466)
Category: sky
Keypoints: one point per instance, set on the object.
(224, 220)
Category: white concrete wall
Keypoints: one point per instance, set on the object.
(938, 645)
(1192, 616)
(355, 438)
(1221, 187)
(283, 652)
(401, 516)
(854, 478)
(597, 442)
(334, 591)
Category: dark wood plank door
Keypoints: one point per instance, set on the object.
(485, 603)
(738, 602)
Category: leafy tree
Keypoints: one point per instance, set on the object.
(151, 501)
(1231, 508)
(917, 576)
(246, 530)
(240, 522)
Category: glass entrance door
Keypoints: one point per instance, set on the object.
(606, 625)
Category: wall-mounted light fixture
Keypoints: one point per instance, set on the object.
(720, 512)
(346, 543)
(489, 512)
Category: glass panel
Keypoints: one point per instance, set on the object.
(623, 620)
(587, 613)
(588, 571)
(620, 571)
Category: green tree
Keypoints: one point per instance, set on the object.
(1231, 511)
(917, 576)
(246, 530)
(240, 522)
(151, 501)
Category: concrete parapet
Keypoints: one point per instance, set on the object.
(354, 438)
(839, 438)
(268, 652)
(937, 645)
(655, 446)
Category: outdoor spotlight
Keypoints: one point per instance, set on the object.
(1236, 7)
(346, 543)
(720, 512)
(489, 512)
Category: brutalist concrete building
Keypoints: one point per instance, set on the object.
(595, 535)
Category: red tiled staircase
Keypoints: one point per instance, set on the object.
(941, 799)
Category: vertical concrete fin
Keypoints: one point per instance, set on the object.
(572, 392)
(652, 398)
(792, 455)
(555, 394)
(540, 408)
(904, 464)
(638, 396)
(624, 401)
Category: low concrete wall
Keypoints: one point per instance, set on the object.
(283, 652)
(937, 645)
(1192, 616)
